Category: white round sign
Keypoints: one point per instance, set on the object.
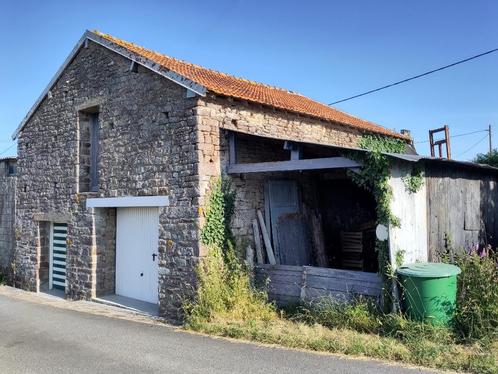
(381, 233)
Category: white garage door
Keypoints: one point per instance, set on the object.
(137, 234)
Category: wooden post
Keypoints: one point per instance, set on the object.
(490, 140)
(250, 262)
(232, 146)
(431, 141)
(447, 141)
(304, 284)
(266, 238)
(257, 242)
(315, 219)
(250, 257)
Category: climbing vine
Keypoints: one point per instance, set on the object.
(374, 174)
(374, 177)
(414, 181)
(219, 210)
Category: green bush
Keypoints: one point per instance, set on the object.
(477, 302)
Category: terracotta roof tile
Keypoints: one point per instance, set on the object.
(228, 85)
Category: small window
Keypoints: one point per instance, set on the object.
(89, 129)
(10, 168)
(94, 152)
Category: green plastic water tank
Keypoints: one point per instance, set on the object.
(429, 291)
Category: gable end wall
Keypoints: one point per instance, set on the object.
(147, 147)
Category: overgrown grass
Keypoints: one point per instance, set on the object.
(365, 316)
(224, 290)
(316, 337)
(356, 330)
(227, 305)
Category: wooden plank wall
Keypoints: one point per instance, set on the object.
(288, 285)
(462, 206)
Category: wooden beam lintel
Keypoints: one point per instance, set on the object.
(294, 165)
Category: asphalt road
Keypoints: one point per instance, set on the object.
(38, 338)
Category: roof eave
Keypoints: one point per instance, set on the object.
(419, 158)
(147, 63)
(381, 132)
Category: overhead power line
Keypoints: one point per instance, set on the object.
(8, 149)
(415, 77)
(473, 146)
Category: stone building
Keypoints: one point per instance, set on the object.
(115, 160)
(7, 214)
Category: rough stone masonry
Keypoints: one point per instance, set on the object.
(154, 139)
(7, 214)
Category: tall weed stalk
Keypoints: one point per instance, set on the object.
(224, 289)
(477, 303)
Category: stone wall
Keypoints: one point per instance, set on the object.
(105, 227)
(44, 235)
(147, 147)
(7, 212)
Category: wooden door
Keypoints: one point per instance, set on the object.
(290, 232)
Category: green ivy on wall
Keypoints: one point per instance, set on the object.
(375, 172)
(219, 210)
(414, 181)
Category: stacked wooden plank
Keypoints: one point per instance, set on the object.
(283, 282)
(289, 285)
(352, 249)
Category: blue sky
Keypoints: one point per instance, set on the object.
(327, 50)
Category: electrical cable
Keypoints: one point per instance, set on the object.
(415, 77)
(455, 136)
(474, 145)
(8, 148)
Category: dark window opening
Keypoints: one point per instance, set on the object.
(134, 67)
(94, 152)
(11, 168)
(89, 129)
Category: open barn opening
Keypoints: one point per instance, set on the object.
(297, 204)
